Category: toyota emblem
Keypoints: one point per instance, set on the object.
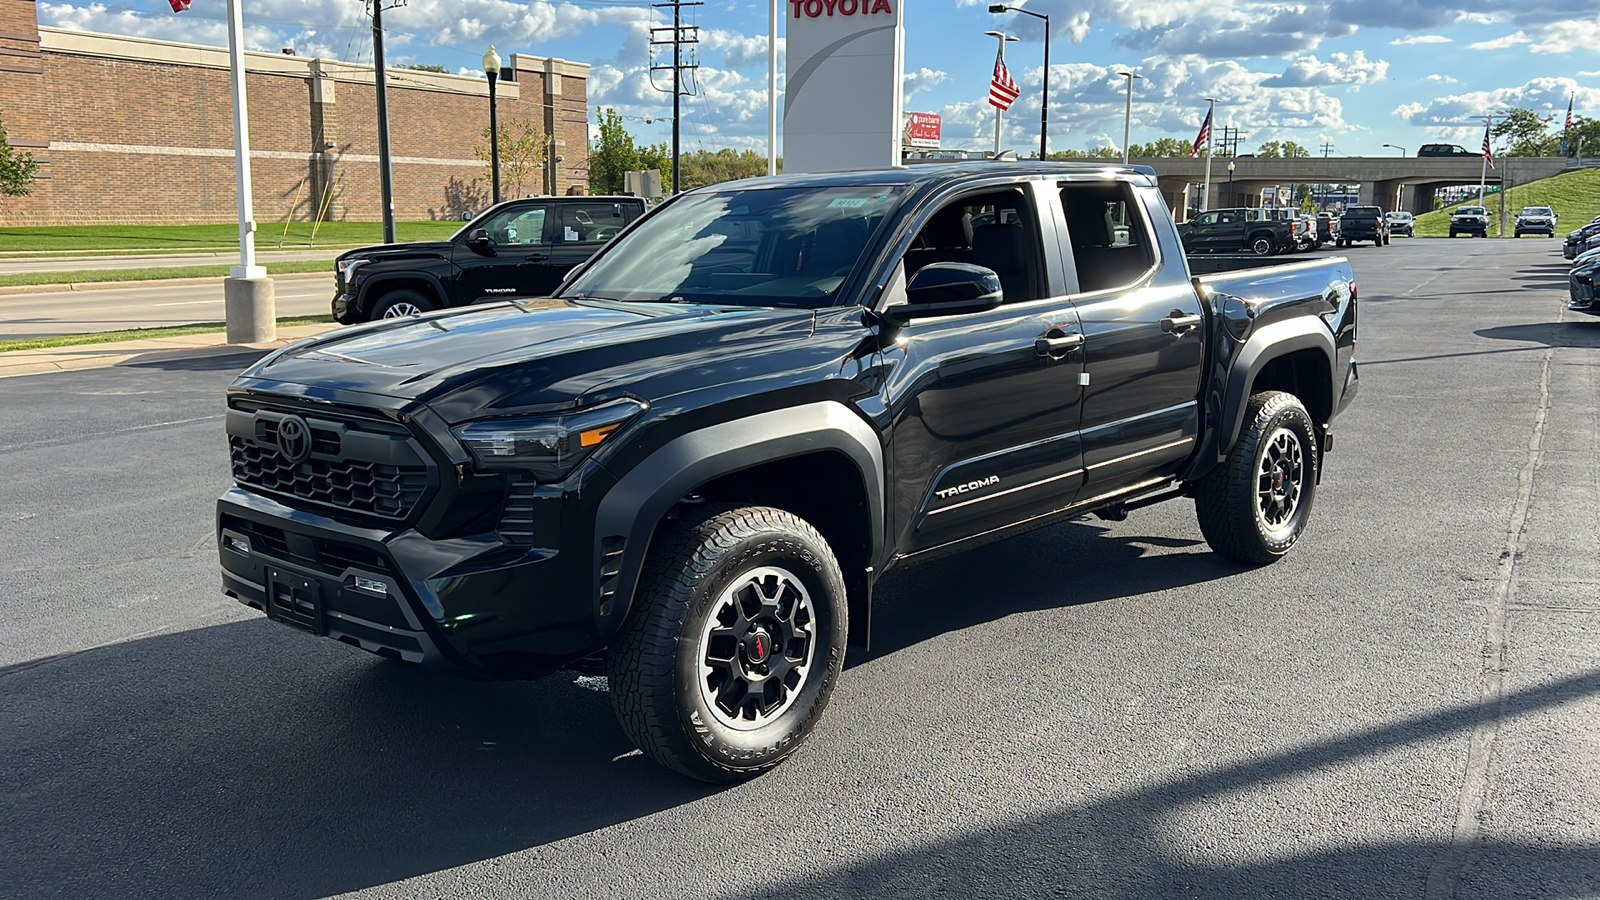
(294, 438)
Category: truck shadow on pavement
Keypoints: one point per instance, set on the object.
(1172, 838)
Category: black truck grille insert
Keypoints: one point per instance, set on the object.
(367, 467)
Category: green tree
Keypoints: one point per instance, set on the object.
(1161, 148)
(1091, 153)
(522, 153)
(715, 166)
(615, 153)
(1282, 150)
(17, 170)
(1585, 133)
(1527, 133)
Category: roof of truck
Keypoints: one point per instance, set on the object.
(925, 174)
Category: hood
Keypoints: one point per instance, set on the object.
(409, 250)
(505, 356)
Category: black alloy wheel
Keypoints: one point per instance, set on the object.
(1263, 246)
(1254, 507)
(733, 646)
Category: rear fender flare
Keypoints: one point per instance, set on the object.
(635, 506)
(1265, 344)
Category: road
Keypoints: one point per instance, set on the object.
(1405, 706)
(113, 309)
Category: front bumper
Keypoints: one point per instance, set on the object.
(1472, 227)
(345, 311)
(477, 607)
(1581, 296)
(1548, 228)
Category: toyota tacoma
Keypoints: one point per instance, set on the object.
(750, 406)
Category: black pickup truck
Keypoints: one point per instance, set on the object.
(1232, 230)
(751, 405)
(519, 248)
(1363, 223)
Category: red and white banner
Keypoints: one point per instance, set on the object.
(922, 129)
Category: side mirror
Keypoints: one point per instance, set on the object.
(478, 239)
(948, 289)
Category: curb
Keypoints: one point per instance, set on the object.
(149, 282)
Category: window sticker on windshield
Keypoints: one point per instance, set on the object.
(855, 202)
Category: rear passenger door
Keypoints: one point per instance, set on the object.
(582, 227)
(1143, 338)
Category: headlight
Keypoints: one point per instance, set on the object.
(347, 267)
(548, 446)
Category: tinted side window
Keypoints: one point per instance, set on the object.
(592, 222)
(517, 225)
(996, 230)
(1111, 244)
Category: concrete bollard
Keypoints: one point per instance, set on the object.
(251, 309)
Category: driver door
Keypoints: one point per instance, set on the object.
(516, 263)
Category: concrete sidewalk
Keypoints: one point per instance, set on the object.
(97, 356)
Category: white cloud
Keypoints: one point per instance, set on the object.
(1453, 115)
(1410, 39)
(1500, 43)
(921, 80)
(1444, 79)
(1341, 68)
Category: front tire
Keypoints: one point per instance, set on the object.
(401, 303)
(1263, 246)
(1253, 507)
(735, 642)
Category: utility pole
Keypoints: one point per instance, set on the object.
(679, 39)
(380, 78)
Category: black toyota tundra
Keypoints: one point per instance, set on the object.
(749, 407)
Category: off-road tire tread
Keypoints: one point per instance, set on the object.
(643, 659)
(1229, 526)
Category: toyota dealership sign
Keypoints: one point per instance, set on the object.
(841, 102)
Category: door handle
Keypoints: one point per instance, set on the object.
(536, 257)
(1177, 324)
(1055, 344)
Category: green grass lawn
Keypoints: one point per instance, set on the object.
(1575, 196)
(86, 276)
(199, 238)
(137, 334)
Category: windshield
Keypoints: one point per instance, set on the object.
(1536, 210)
(756, 247)
(1470, 211)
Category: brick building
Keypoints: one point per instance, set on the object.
(140, 130)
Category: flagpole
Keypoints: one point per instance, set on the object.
(772, 88)
(1205, 193)
(1483, 178)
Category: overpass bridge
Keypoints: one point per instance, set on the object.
(1392, 182)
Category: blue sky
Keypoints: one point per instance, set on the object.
(1355, 74)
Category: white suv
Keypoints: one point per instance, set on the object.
(1536, 220)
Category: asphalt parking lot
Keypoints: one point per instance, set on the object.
(1406, 706)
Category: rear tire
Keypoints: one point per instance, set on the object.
(1263, 246)
(734, 644)
(1253, 507)
(401, 303)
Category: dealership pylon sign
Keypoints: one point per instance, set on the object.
(841, 102)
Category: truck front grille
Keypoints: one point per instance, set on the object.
(368, 467)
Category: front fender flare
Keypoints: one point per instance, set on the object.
(635, 506)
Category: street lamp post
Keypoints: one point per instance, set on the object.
(1044, 93)
(491, 68)
(1397, 147)
(1127, 113)
(1002, 37)
(1231, 201)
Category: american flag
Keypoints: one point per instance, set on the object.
(1567, 127)
(1002, 90)
(1204, 137)
(179, 5)
(1487, 153)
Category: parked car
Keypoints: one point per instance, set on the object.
(520, 248)
(1363, 223)
(1536, 220)
(689, 473)
(1469, 220)
(1236, 229)
(1581, 241)
(1401, 222)
(1580, 283)
(1328, 228)
(1444, 150)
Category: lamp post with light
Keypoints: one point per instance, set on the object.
(1397, 147)
(491, 68)
(1044, 98)
(1230, 184)
(1002, 37)
(1127, 113)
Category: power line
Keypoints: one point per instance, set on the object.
(681, 35)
